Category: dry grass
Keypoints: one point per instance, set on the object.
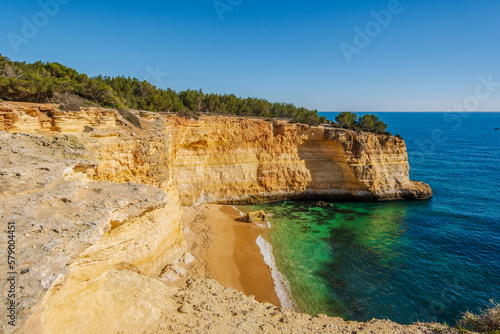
(187, 114)
(488, 321)
(131, 118)
(70, 101)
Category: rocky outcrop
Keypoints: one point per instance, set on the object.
(145, 305)
(251, 217)
(97, 206)
(73, 224)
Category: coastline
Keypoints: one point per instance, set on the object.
(118, 273)
(226, 250)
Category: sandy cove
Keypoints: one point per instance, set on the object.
(226, 250)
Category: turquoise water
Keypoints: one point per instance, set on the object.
(404, 261)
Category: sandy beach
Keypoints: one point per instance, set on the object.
(225, 250)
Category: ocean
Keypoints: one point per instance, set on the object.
(406, 261)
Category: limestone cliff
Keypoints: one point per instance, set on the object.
(72, 224)
(231, 160)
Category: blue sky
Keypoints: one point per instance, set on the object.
(427, 57)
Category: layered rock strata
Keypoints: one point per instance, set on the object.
(231, 160)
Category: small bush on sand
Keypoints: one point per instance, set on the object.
(488, 321)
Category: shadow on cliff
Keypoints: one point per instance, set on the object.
(331, 178)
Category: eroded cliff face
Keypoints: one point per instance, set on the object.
(231, 160)
(96, 199)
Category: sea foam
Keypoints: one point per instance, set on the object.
(239, 211)
(280, 283)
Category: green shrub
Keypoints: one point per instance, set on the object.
(399, 137)
(368, 123)
(313, 122)
(488, 321)
(346, 119)
(371, 123)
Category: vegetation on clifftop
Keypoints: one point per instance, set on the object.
(370, 123)
(52, 82)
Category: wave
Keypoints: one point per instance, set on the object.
(280, 283)
(241, 213)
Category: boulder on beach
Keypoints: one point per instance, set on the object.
(254, 217)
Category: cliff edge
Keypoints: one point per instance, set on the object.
(221, 159)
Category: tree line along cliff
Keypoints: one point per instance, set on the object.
(53, 82)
